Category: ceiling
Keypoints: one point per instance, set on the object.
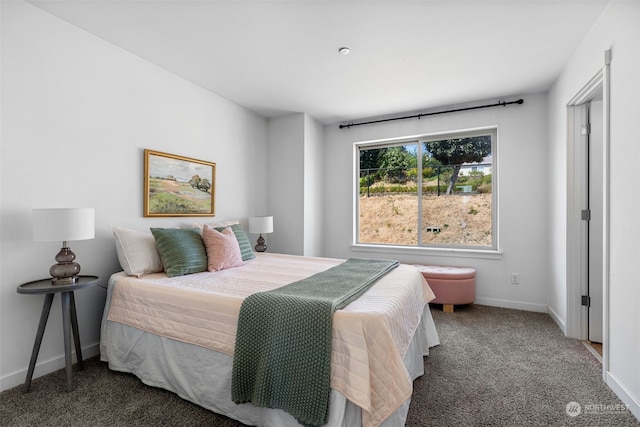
(279, 57)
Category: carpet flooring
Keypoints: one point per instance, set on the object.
(494, 367)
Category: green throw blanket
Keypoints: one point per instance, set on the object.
(282, 355)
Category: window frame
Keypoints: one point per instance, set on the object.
(492, 251)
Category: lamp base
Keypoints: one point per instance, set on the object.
(261, 247)
(64, 280)
(65, 272)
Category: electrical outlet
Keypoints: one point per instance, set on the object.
(515, 278)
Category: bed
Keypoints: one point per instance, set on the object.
(178, 333)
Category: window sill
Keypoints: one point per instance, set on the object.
(441, 252)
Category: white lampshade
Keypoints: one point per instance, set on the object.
(63, 224)
(261, 224)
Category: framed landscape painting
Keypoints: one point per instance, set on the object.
(178, 186)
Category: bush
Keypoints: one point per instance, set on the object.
(484, 188)
(428, 172)
(401, 189)
(367, 180)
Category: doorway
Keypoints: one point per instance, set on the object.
(586, 189)
(587, 255)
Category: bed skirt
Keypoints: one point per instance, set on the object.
(203, 376)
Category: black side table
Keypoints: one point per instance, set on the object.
(69, 320)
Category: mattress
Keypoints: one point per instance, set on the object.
(371, 336)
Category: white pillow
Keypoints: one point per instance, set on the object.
(137, 251)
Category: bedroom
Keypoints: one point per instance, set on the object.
(78, 111)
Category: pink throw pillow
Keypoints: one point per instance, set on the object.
(223, 250)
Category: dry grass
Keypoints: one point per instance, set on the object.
(462, 219)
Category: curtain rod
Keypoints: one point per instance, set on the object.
(503, 104)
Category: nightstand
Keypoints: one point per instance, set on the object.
(69, 320)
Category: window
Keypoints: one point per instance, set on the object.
(432, 191)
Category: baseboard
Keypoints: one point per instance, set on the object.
(632, 403)
(561, 323)
(592, 350)
(44, 367)
(516, 305)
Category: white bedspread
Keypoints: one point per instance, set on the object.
(370, 336)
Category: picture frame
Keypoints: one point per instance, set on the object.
(178, 186)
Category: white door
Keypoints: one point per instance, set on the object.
(595, 250)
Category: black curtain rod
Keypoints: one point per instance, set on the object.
(417, 116)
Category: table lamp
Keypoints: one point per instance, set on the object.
(260, 225)
(63, 224)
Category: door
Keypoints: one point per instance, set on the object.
(595, 205)
(579, 264)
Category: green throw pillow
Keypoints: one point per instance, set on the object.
(181, 250)
(245, 245)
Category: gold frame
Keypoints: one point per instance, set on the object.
(170, 174)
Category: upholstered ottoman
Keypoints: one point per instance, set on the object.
(451, 285)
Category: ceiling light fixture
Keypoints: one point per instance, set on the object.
(344, 51)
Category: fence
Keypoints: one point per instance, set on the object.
(435, 180)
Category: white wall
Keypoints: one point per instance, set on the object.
(295, 185)
(285, 172)
(618, 30)
(522, 186)
(77, 113)
(313, 186)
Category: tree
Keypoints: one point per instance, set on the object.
(204, 185)
(370, 159)
(195, 181)
(455, 152)
(396, 161)
(370, 163)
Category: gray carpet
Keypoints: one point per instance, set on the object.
(503, 367)
(494, 367)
